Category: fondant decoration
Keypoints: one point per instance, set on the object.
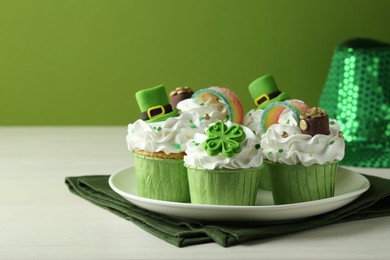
(223, 139)
(314, 121)
(228, 97)
(179, 94)
(154, 104)
(273, 111)
(265, 91)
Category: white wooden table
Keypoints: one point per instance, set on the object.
(41, 219)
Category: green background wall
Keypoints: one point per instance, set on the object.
(79, 62)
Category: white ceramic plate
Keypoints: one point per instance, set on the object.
(349, 186)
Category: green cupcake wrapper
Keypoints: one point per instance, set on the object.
(161, 179)
(265, 178)
(223, 187)
(298, 183)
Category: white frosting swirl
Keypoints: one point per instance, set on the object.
(249, 157)
(170, 136)
(302, 148)
(252, 120)
(197, 108)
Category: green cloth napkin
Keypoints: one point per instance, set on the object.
(373, 203)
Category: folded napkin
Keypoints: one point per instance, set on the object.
(373, 203)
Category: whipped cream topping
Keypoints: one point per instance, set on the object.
(252, 120)
(286, 144)
(170, 136)
(249, 157)
(202, 113)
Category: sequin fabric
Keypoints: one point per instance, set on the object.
(357, 94)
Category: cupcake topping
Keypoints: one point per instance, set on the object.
(179, 94)
(273, 112)
(298, 148)
(180, 90)
(314, 121)
(202, 112)
(223, 139)
(229, 98)
(250, 155)
(169, 136)
(154, 104)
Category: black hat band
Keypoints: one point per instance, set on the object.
(156, 111)
(265, 97)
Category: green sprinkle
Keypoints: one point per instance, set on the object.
(132, 130)
(192, 125)
(201, 118)
(280, 150)
(158, 129)
(269, 153)
(201, 104)
(331, 122)
(257, 146)
(288, 122)
(177, 146)
(195, 143)
(331, 142)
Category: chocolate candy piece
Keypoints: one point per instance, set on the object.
(314, 121)
(179, 94)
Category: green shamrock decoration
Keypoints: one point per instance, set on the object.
(222, 139)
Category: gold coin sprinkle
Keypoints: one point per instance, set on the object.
(284, 134)
(340, 134)
(206, 116)
(303, 125)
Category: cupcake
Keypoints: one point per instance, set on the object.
(223, 165)
(158, 143)
(264, 91)
(302, 159)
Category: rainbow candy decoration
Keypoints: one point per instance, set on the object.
(273, 111)
(232, 102)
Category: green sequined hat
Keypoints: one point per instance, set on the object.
(357, 94)
(154, 104)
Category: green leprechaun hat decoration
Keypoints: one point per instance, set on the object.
(357, 94)
(154, 104)
(265, 91)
